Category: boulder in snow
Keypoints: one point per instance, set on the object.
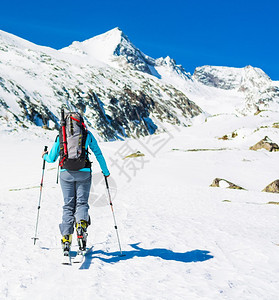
(136, 154)
(228, 136)
(267, 144)
(273, 187)
(223, 183)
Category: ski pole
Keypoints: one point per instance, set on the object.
(57, 175)
(115, 225)
(35, 238)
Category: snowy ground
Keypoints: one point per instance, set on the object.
(182, 238)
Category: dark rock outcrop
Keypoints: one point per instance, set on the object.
(273, 187)
(265, 143)
(219, 182)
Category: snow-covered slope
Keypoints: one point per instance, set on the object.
(121, 91)
(260, 92)
(182, 239)
(117, 102)
(112, 47)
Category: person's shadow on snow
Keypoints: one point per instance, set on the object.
(114, 257)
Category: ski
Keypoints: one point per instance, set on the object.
(66, 260)
(81, 254)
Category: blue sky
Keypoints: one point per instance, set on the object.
(195, 33)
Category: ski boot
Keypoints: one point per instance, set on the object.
(66, 244)
(81, 228)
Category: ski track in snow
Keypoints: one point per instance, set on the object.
(181, 240)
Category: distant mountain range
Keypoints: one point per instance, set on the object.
(121, 91)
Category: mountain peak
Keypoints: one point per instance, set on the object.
(231, 78)
(112, 47)
(101, 47)
(115, 30)
(113, 34)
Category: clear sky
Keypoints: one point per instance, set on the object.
(195, 33)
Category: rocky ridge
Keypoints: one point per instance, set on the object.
(35, 82)
(260, 92)
(120, 91)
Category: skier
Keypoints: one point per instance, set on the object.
(75, 181)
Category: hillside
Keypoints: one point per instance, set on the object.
(182, 238)
(121, 91)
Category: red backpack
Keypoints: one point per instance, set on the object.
(72, 138)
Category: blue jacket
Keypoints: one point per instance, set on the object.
(91, 143)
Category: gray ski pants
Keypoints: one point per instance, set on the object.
(75, 187)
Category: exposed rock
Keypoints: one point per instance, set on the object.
(258, 111)
(265, 143)
(224, 137)
(272, 187)
(228, 136)
(219, 182)
(219, 77)
(136, 154)
(197, 150)
(132, 55)
(258, 88)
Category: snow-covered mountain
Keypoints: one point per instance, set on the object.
(112, 46)
(259, 90)
(121, 91)
(106, 78)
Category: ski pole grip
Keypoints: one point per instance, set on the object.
(62, 114)
(44, 163)
(106, 180)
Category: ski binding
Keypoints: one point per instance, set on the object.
(81, 254)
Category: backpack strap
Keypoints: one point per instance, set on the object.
(84, 126)
(62, 161)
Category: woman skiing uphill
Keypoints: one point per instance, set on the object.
(75, 176)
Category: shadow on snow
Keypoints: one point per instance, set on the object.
(114, 257)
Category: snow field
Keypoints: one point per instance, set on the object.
(182, 239)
